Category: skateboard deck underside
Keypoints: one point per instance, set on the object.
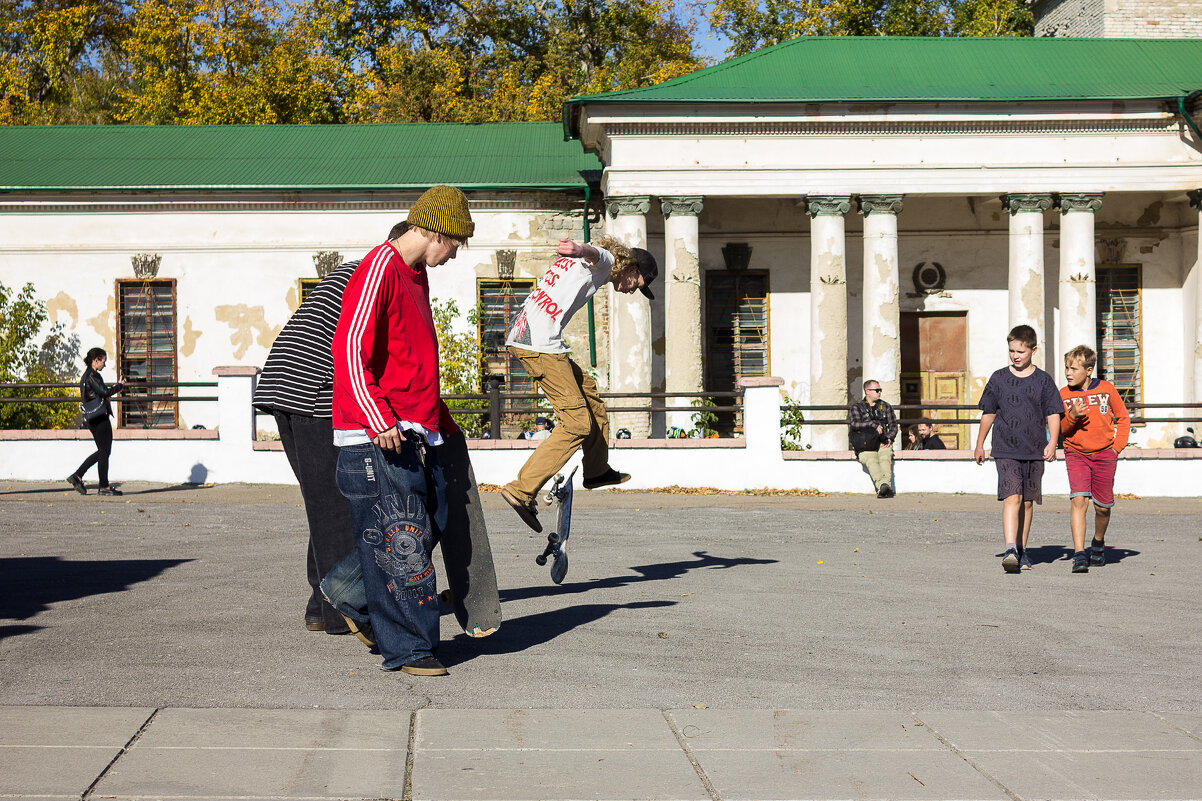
(466, 553)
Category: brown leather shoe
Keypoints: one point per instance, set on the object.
(524, 510)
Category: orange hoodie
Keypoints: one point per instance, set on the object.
(1105, 423)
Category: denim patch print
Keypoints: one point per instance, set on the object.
(402, 551)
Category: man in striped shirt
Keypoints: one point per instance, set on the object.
(389, 421)
(295, 387)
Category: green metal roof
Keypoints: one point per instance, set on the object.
(899, 69)
(519, 155)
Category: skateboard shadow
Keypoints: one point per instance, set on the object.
(522, 633)
(662, 571)
(32, 584)
(1046, 554)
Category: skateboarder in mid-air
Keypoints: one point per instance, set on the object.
(536, 340)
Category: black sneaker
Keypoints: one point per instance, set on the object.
(77, 482)
(426, 666)
(1010, 561)
(607, 479)
(1097, 555)
(1080, 562)
(109, 491)
(525, 511)
(885, 491)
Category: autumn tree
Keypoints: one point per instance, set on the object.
(752, 24)
(58, 59)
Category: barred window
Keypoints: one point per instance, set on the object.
(1120, 330)
(736, 335)
(498, 300)
(305, 287)
(146, 351)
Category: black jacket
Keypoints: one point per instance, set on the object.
(92, 386)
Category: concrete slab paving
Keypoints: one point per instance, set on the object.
(791, 729)
(60, 751)
(1058, 731)
(544, 729)
(832, 775)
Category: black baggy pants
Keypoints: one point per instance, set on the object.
(309, 445)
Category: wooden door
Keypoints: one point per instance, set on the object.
(934, 366)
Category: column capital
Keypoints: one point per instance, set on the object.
(1017, 202)
(1195, 198)
(686, 206)
(1080, 201)
(828, 205)
(636, 205)
(880, 204)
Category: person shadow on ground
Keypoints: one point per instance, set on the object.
(1046, 554)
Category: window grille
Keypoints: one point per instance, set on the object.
(305, 287)
(146, 351)
(736, 343)
(1120, 330)
(497, 301)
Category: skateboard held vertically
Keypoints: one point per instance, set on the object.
(559, 497)
(467, 556)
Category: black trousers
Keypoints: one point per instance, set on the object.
(309, 445)
(102, 433)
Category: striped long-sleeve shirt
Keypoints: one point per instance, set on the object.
(299, 375)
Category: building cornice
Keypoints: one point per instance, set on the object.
(879, 127)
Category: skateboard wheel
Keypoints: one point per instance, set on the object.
(446, 596)
(554, 538)
(548, 499)
(541, 559)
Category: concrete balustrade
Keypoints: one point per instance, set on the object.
(230, 455)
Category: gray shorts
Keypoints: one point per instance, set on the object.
(1020, 477)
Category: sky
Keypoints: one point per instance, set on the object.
(710, 45)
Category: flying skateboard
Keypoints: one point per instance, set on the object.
(559, 498)
(467, 557)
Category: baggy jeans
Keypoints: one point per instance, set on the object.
(397, 512)
(580, 422)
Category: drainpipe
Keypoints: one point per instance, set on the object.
(592, 333)
(1181, 101)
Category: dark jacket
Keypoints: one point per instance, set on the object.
(92, 386)
(933, 443)
(862, 422)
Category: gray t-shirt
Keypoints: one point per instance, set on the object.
(1022, 406)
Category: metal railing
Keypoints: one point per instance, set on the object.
(135, 394)
(927, 409)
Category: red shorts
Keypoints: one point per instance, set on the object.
(1091, 475)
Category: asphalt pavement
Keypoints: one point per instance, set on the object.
(702, 646)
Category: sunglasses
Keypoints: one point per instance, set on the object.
(872, 389)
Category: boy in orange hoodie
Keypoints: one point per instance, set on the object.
(1094, 429)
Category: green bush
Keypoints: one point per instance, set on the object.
(24, 361)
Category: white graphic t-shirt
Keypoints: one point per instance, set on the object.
(561, 292)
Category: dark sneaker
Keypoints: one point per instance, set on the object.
(525, 511)
(361, 630)
(1080, 562)
(426, 666)
(77, 482)
(1024, 562)
(315, 623)
(606, 479)
(885, 491)
(1010, 561)
(109, 491)
(1097, 555)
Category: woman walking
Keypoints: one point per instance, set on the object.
(96, 411)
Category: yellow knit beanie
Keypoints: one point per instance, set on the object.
(443, 210)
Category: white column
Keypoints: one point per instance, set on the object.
(761, 416)
(682, 284)
(630, 321)
(882, 308)
(1078, 285)
(1026, 265)
(235, 410)
(1195, 200)
(828, 315)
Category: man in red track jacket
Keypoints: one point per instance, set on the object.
(389, 420)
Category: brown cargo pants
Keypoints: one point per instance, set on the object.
(580, 422)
